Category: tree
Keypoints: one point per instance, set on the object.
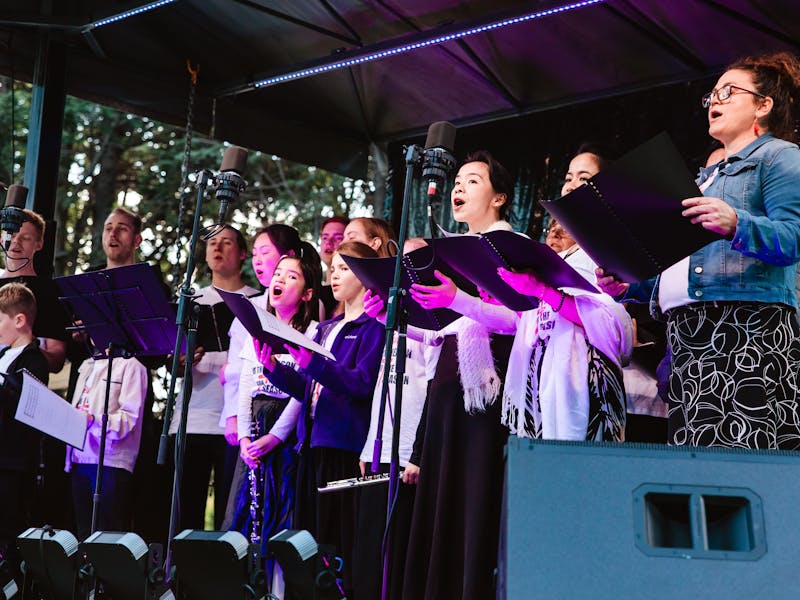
(109, 157)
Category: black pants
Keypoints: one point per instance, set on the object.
(16, 488)
(367, 555)
(331, 518)
(116, 499)
(204, 452)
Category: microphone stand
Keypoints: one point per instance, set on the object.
(98, 485)
(187, 329)
(396, 320)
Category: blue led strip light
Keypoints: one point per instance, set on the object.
(128, 13)
(377, 55)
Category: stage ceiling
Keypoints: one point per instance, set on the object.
(600, 50)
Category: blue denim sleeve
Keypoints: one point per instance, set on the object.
(639, 292)
(774, 237)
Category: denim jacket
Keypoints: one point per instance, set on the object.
(762, 184)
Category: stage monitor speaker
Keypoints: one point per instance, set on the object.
(603, 520)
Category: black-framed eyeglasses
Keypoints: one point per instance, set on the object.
(725, 92)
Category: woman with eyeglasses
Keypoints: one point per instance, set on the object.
(729, 306)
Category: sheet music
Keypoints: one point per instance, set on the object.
(266, 327)
(46, 411)
(271, 324)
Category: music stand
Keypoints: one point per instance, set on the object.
(127, 314)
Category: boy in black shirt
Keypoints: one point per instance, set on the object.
(19, 444)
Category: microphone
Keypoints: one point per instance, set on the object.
(437, 159)
(11, 215)
(229, 180)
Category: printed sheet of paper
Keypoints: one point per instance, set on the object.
(266, 328)
(46, 411)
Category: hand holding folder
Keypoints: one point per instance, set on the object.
(477, 258)
(266, 328)
(377, 274)
(628, 216)
(470, 261)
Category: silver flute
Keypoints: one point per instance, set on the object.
(354, 482)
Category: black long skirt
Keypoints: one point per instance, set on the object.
(452, 550)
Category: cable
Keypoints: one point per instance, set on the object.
(51, 532)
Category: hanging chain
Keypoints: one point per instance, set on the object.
(184, 191)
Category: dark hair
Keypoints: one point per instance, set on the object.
(379, 228)
(284, 237)
(605, 154)
(776, 75)
(343, 219)
(16, 298)
(312, 276)
(499, 177)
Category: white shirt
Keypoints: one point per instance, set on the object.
(420, 362)
(206, 405)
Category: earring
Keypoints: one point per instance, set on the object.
(755, 128)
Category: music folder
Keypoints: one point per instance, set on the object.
(266, 327)
(213, 323)
(377, 274)
(477, 257)
(43, 409)
(628, 216)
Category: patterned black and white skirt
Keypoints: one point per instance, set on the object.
(734, 376)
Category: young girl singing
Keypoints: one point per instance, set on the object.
(334, 419)
(266, 418)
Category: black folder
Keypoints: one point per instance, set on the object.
(628, 216)
(477, 257)
(213, 324)
(266, 327)
(377, 274)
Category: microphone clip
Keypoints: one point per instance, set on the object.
(228, 184)
(438, 163)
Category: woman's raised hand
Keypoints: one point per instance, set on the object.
(610, 284)
(434, 296)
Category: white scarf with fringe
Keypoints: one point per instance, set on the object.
(476, 367)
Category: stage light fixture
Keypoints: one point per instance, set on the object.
(216, 564)
(412, 42)
(308, 569)
(50, 563)
(124, 567)
(9, 590)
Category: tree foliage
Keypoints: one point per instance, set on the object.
(109, 157)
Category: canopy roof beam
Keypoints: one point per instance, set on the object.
(659, 35)
(355, 41)
(747, 21)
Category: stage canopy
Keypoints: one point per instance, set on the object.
(397, 69)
